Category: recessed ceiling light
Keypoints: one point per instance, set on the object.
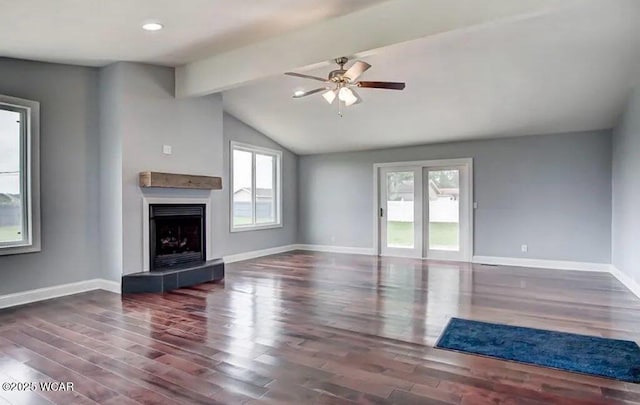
(152, 26)
(298, 93)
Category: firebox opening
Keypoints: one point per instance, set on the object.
(177, 235)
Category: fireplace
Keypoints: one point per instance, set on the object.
(177, 235)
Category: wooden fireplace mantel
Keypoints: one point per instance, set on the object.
(174, 180)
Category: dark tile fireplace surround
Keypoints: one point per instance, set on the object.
(177, 251)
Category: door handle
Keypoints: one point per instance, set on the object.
(381, 212)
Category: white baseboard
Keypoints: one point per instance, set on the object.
(287, 248)
(627, 281)
(632, 285)
(337, 249)
(108, 285)
(258, 253)
(40, 294)
(540, 263)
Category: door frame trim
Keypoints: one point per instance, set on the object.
(468, 162)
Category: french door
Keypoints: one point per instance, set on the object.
(425, 210)
(401, 211)
(447, 230)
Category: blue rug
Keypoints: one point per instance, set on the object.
(611, 358)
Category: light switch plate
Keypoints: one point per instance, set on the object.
(166, 149)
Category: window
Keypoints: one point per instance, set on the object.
(19, 185)
(255, 187)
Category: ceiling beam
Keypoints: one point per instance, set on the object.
(372, 28)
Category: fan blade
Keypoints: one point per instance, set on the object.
(382, 85)
(356, 70)
(320, 79)
(356, 100)
(308, 93)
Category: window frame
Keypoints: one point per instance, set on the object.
(277, 181)
(29, 173)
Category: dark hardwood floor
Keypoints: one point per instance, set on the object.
(308, 327)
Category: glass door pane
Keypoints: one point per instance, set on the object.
(400, 209)
(444, 210)
(400, 221)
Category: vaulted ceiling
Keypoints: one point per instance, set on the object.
(474, 68)
(569, 69)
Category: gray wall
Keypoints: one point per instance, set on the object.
(100, 128)
(236, 130)
(110, 190)
(139, 116)
(551, 192)
(143, 116)
(68, 97)
(626, 190)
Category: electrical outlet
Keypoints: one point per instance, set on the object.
(166, 149)
(524, 248)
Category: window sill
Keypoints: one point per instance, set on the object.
(19, 249)
(255, 227)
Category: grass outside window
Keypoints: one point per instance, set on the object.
(440, 233)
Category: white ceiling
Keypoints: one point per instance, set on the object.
(98, 32)
(567, 70)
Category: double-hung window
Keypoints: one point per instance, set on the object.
(256, 187)
(19, 176)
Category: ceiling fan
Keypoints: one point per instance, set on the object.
(341, 83)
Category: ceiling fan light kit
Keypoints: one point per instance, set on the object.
(348, 96)
(340, 84)
(329, 96)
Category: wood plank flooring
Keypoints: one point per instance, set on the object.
(305, 327)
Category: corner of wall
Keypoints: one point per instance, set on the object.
(110, 176)
(237, 243)
(625, 217)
